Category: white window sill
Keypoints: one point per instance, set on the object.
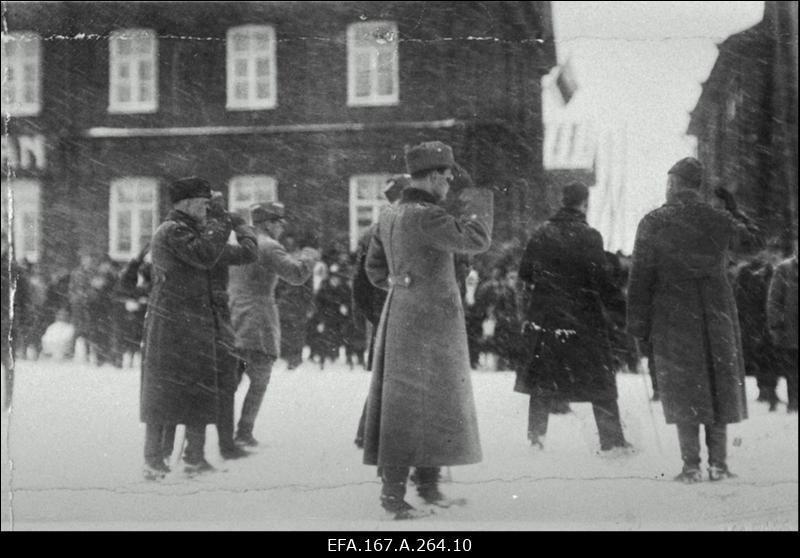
(372, 102)
(132, 109)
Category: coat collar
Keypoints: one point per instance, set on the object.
(569, 215)
(185, 218)
(413, 195)
(684, 197)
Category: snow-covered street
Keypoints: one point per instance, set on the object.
(72, 459)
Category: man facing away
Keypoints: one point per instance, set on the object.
(680, 300)
(254, 311)
(420, 408)
(569, 354)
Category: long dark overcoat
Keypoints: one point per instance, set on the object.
(680, 299)
(568, 351)
(420, 408)
(179, 381)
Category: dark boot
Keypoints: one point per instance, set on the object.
(427, 480)
(393, 493)
(718, 473)
(690, 474)
(244, 436)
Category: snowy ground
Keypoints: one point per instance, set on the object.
(71, 459)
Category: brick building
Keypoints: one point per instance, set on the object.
(310, 103)
(746, 120)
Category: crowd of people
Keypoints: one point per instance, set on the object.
(214, 298)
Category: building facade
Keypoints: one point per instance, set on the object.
(309, 103)
(746, 121)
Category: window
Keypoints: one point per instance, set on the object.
(22, 80)
(133, 71)
(26, 231)
(372, 64)
(247, 190)
(252, 76)
(132, 215)
(366, 201)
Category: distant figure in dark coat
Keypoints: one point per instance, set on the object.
(79, 291)
(295, 307)
(750, 291)
(681, 301)
(782, 320)
(333, 312)
(179, 368)
(100, 306)
(130, 306)
(565, 330)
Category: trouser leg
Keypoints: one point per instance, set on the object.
(195, 443)
(225, 419)
(259, 369)
(689, 440)
(168, 439)
(716, 442)
(153, 434)
(789, 369)
(428, 482)
(538, 414)
(227, 380)
(609, 427)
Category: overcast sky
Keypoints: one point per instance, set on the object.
(643, 63)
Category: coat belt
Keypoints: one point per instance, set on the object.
(400, 280)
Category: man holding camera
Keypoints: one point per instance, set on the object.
(679, 299)
(179, 368)
(254, 311)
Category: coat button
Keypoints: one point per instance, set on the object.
(406, 280)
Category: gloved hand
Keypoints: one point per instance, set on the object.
(237, 220)
(727, 198)
(309, 254)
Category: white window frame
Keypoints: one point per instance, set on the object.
(26, 196)
(27, 49)
(267, 185)
(355, 49)
(135, 61)
(114, 207)
(375, 203)
(250, 59)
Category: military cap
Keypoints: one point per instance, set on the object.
(395, 186)
(268, 211)
(189, 187)
(574, 194)
(429, 155)
(688, 168)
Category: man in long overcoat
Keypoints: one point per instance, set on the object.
(680, 300)
(566, 331)
(254, 311)
(179, 379)
(421, 411)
